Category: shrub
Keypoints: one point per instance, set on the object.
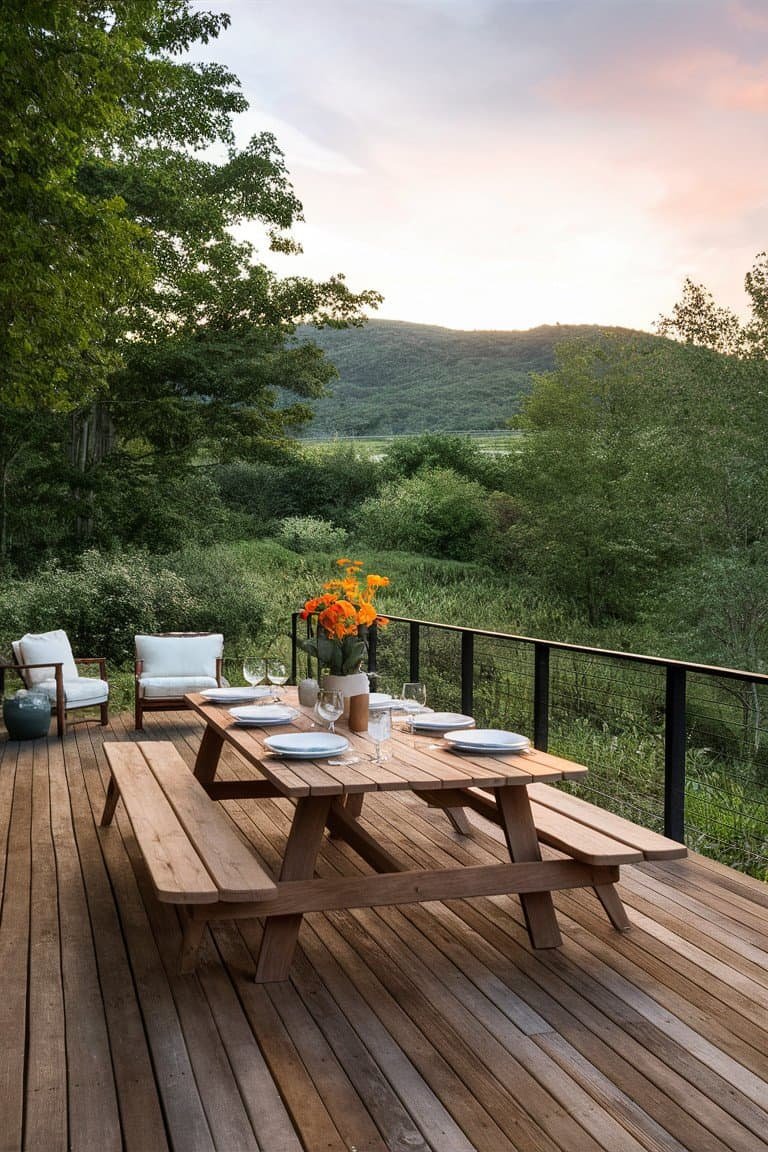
(310, 534)
(101, 603)
(435, 512)
(226, 592)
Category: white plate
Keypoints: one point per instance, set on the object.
(488, 740)
(307, 745)
(379, 699)
(264, 714)
(235, 695)
(441, 721)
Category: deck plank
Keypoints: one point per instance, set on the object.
(429, 1028)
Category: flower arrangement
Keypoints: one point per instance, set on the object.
(345, 611)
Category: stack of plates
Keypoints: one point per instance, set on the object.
(440, 721)
(235, 695)
(488, 740)
(307, 745)
(383, 700)
(267, 714)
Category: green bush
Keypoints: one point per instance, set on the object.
(101, 603)
(226, 592)
(328, 485)
(435, 512)
(310, 534)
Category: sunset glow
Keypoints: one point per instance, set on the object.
(505, 164)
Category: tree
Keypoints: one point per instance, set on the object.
(125, 299)
(598, 472)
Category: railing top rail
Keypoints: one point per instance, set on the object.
(635, 657)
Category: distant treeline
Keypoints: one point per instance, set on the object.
(396, 377)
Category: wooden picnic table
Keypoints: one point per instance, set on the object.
(330, 796)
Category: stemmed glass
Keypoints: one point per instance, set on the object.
(276, 674)
(379, 729)
(413, 698)
(254, 670)
(329, 706)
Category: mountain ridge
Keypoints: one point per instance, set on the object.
(397, 376)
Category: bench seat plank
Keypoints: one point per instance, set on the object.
(652, 845)
(582, 843)
(178, 875)
(236, 870)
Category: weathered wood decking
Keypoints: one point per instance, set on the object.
(424, 1027)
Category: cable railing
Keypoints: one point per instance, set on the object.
(674, 745)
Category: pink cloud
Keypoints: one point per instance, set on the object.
(652, 82)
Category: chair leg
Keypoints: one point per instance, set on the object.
(104, 709)
(139, 718)
(61, 717)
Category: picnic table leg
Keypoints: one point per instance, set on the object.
(110, 803)
(281, 932)
(523, 843)
(208, 755)
(613, 905)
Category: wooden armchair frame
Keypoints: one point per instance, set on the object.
(164, 703)
(60, 704)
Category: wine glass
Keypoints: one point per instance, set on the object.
(379, 729)
(329, 706)
(276, 674)
(254, 670)
(413, 697)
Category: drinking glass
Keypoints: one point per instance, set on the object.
(329, 706)
(276, 674)
(413, 698)
(254, 670)
(379, 730)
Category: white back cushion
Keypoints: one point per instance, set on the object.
(37, 647)
(179, 655)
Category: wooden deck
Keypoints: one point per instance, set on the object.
(423, 1027)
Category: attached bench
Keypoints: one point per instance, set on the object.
(192, 850)
(580, 830)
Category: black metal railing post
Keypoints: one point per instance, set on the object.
(294, 646)
(541, 696)
(414, 635)
(373, 639)
(674, 754)
(467, 672)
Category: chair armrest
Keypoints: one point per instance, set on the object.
(100, 660)
(138, 668)
(57, 666)
(17, 667)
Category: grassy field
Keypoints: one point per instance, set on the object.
(494, 443)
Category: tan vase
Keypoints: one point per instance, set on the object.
(355, 689)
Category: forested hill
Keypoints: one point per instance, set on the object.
(400, 377)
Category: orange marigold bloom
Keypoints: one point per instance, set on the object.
(366, 614)
(377, 581)
(344, 560)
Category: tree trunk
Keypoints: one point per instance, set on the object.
(93, 438)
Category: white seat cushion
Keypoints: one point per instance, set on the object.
(39, 647)
(179, 655)
(155, 687)
(79, 692)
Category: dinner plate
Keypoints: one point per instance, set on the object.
(488, 740)
(441, 721)
(382, 700)
(307, 745)
(267, 714)
(235, 695)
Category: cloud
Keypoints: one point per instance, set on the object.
(532, 158)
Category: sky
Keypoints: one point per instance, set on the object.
(507, 163)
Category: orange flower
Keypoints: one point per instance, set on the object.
(366, 614)
(377, 581)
